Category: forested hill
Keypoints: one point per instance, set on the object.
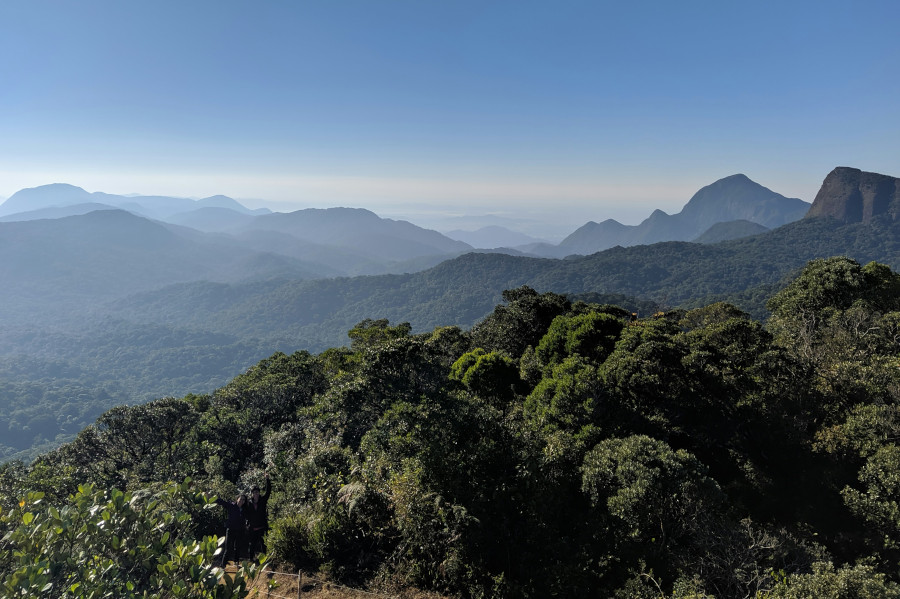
(316, 314)
(194, 336)
(557, 448)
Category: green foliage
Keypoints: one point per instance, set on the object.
(557, 449)
(570, 399)
(879, 504)
(264, 397)
(867, 428)
(645, 368)
(54, 383)
(659, 495)
(433, 531)
(490, 375)
(834, 308)
(862, 581)
(448, 343)
(520, 323)
(371, 333)
(288, 540)
(592, 335)
(113, 544)
(56, 378)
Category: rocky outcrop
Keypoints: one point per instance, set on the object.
(854, 196)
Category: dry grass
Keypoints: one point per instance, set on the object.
(318, 587)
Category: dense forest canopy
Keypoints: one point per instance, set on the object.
(558, 448)
(58, 373)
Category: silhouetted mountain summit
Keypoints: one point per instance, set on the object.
(61, 195)
(730, 199)
(851, 196)
(46, 196)
(738, 198)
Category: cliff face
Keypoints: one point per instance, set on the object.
(851, 196)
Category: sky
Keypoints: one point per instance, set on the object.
(559, 111)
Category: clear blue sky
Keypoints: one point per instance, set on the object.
(565, 110)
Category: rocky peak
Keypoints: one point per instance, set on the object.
(852, 196)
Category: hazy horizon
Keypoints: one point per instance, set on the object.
(528, 219)
(560, 113)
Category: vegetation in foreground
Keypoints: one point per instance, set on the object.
(557, 448)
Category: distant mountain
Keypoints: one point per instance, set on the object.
(341, 261)
(729, 199)
(352, 240)
(533, 227)
(165, 339)
(220, 201)
(493, 236)
(55, 212)
(851, 195)
(460, 291)
(360, 230)
(58, 195)
(593, 237)
(535, 250)
(101, 306)
(329, 242)
(734, 229)
(745, 271)
(211, 219)
(45, 196)
(69, 264)
(737, 197)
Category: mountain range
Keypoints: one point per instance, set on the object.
(62, 254)
(61, 195)
(734, 198)
(66, 249)
(120, 305)
(378, 247)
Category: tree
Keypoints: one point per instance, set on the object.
(830, 310)
(645, 375)
(492, 376)
(861, 581)
(655, 499)
(592, 335)
(569, 399)
(520, 323)
(150, 442)
(371, 333)
(113, 544)
(879, 504)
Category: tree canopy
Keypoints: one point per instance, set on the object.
(556, 448)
